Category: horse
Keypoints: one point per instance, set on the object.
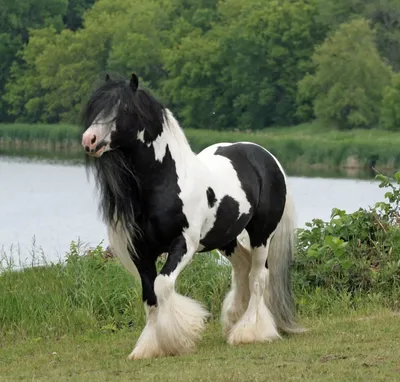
(157, 196)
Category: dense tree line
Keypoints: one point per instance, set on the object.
(219, 64)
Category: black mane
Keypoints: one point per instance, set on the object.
(119, 184)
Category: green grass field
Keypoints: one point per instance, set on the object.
(361, 347)
(308, 145)
(78, 321)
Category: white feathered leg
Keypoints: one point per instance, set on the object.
(148, 345)
(237, 299)
(257, 324)
(181, 319)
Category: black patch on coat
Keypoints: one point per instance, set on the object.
(148, 273)
(264, 185)
(177, 250)
(230, 247)
(211, 197)
(228, 224)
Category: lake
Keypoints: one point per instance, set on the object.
(52, 204)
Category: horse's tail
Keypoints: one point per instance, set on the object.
(278, 296)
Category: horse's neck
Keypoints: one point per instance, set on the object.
(170, 144)
(174, 137)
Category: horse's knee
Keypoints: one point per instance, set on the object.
(163, 287)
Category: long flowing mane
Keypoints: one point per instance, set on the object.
(118, 184)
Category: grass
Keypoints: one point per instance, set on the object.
(37, 132)
(317, 146)
(309, 145)
(361, 347)
(90, 293)
(79, 320)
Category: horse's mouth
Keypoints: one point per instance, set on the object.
(98, 151)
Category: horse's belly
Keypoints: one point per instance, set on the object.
(224, 228)
(119, 245)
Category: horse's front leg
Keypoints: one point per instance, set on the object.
(180, 319)
(148, 345)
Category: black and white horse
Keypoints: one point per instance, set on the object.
(158, 196)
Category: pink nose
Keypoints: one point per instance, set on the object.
(89, 141)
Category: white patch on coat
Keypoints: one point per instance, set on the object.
(190, 172)
(223, 179)
(140, 135)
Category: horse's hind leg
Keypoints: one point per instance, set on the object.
(237, 299)
(257, 323)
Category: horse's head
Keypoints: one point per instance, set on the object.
(118, 115)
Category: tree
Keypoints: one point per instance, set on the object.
(18, 18)
(193, 83)
(73, 18)
(24, 96)
(118, 36)
(243, 72)
(390, 111)
(383, 14)
(349, 77)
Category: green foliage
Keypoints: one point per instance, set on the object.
(384, 16)
(356, 253)
(390, 110)
(349, 78)
(217, 64)
(244, 71)
(17, 20)
(73, 18)
(52, 81)
(24, 94)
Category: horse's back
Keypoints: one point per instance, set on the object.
(247, 158)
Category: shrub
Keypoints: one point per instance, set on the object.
(357, 253)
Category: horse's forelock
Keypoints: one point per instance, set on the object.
(115, 98)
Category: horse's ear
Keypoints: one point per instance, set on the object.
(134, 83)
(107, 77)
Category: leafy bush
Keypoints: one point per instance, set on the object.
(356, 253)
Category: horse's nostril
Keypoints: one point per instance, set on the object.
(87, 149)
(93, 140)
